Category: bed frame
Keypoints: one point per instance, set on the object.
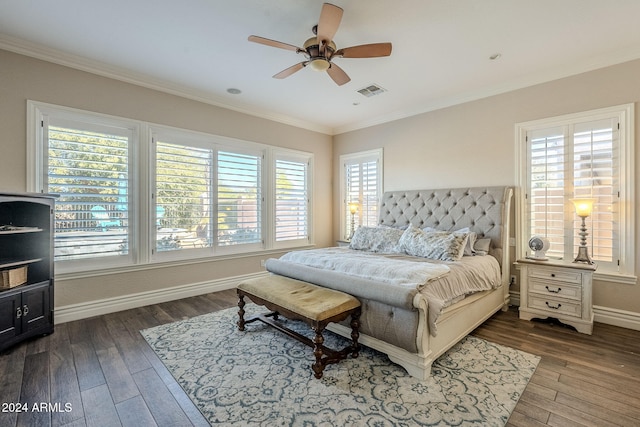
(486, 211)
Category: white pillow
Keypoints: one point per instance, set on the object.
(376, 239)
(481, 246)
(439, 245)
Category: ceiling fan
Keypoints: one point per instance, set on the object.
(321, 50)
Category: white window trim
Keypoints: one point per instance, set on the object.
(142, 186)
(37, 121)
(375, 154)
(626, 116)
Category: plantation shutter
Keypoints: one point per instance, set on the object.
(362, 188)
(88, 167)
(595, 154)
(547, 188)
(182, 199)
(573, 161)
(292, 200)
(239, 198)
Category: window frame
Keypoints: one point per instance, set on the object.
(625, 115)
(376, 155)
(37, 172)
(141, 194)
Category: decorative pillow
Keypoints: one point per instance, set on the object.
(376, 239)
(468, 249)
(439, 245)
(481, 246)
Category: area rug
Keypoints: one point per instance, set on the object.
(262, 377)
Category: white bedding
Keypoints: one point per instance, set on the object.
(442, 282)
(369, 266)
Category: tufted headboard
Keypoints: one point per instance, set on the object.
(485, 210)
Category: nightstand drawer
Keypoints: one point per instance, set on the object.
(553, 288)
(556, 275)
(554, 306)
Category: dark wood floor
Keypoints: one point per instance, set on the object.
(100, 372)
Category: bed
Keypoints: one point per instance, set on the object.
(415, 307)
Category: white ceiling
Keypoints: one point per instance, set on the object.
(441, 49)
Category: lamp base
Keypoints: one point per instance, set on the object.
(583, 256)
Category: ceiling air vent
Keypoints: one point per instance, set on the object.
(371, 90)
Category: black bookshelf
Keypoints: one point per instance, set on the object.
(26, 266)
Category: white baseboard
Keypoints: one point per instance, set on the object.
(84, 310)
(615, 317)
(606, 315)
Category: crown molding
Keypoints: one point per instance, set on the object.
(55, 56)
(105, 70)
(575, 68)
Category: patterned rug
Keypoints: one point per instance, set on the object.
(262, 377)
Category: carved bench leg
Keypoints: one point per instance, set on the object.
(241, 304)
(318, 340)
(355, 334)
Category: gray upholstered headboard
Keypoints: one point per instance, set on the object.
(485, 210)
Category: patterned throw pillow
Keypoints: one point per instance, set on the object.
(471, 241)
(376, 239)
(440, 245)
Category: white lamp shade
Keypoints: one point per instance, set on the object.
(584, 207)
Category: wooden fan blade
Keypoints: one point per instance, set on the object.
(330, 18)
(274, 43)
(338, 75)
(288, 71)
(373, 50)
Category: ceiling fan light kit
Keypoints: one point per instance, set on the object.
(320, 50)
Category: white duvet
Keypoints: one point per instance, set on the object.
(442, 283)
(368, 266)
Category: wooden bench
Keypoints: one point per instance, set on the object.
(297, 300)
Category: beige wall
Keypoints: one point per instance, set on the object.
(23, 78)
(468, 144)
(473, 144)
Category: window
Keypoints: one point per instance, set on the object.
(87, 163)
(239, 199)
(183, 196)
(292, 199)
(361, 186)
(576, 156)
(193, 195)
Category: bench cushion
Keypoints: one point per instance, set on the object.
(310, 301)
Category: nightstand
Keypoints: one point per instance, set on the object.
(557, 289)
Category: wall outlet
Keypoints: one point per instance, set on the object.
(514, 279)
(262, 262)
(512, 241)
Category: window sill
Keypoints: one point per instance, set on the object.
(71, 275)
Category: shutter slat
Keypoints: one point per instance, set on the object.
(89, 172)
(291, 205)
(239, 198)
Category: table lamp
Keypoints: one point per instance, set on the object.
(583, 207)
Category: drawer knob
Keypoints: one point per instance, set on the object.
(552, 306)
(553, 274)
(552, 291)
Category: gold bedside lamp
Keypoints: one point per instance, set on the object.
(353, 209)
(584, 208)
